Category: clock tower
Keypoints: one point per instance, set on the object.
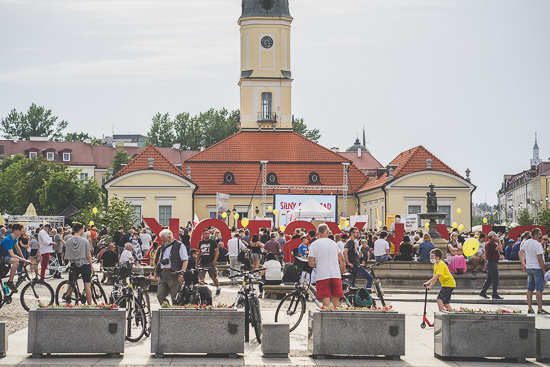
(265, 65)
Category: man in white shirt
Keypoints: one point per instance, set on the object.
(325, 256)
(145, 241)
(382, 248)
(45, 248)
(126, 255)
(234, 246)
(531, 256)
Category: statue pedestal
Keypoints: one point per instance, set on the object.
(441, 244)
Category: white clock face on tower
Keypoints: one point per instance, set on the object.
(267, 42)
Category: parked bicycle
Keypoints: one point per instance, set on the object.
(247, 294)
(54, 268)
(193, 291)
(292, 307)
(138, 307)
(68, 291)
(33, 293)
(350, 288)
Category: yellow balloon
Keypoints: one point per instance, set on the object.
(91, 223)
(269, 208)
(459, 210)
(94, 210)
(244, 222)
(346, 223)
(380, 224)
(427, 225)
(282, 228)
(455, 224)
(224, 215)
(470, 247)
(236, 216)
(274, 211)
(485, 220)
(461, 227)
(339, 226)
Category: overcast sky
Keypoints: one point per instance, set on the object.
(468, 79)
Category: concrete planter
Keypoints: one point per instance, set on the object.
(216, 331)
(356, 333)
(76, 331)
(542, 337)
(3, 339)
(477, 335)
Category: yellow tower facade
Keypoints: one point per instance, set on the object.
(266, 78)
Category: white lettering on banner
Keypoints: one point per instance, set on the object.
(287, 203)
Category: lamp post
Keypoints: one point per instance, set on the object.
(234, 220)
(228, 212)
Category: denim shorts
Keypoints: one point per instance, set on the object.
(535, 280)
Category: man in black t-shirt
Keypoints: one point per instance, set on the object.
(208, 255)
(352, 257)
(265, 236)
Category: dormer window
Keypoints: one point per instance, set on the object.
(228, 179)
(272, 179)
(66, 157)
(50, 156)
(314, 179)
(33, 154)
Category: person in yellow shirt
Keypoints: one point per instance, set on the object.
(448, 284)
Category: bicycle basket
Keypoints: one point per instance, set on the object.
(302, 264)
(363, 298)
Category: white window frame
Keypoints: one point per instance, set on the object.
(50, 156)
(68, 155)
(33, 154)
(84, 176)
(212, 211)
(136, 201)
(165, 201)
(242, 209)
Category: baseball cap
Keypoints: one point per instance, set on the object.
(491, 234)
(510, 241)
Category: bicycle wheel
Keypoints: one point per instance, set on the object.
(147, 309)
(62, 296)
(255, 316)
(53, 266)
(36, 292)
(239, 301)
(291, 309)
(135, 318)
(379, 293)
(98, 294)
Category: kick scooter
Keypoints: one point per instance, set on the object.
(424, 318)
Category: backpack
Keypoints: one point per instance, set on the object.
(4, 268)
(291, 274)
(363, 298)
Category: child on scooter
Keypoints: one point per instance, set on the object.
(448, 284)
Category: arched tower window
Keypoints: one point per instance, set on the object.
(266, 107)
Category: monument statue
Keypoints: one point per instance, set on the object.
(431, 204)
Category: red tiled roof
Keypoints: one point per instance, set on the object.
(291, 157)
(365, 162)
(412, 160)
(104, 154)
(140, 163)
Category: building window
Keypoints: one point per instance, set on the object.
(32, 154)
(137, 213)
(446, 209)
(83, 176)
(50, 156)
(314, 179)
(414, 209)
(272, 179)
(165, 213)
(228, 179)
(266, 106)
(66, 157)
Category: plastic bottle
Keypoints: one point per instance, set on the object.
(415, 257)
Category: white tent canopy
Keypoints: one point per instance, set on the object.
(311, 209)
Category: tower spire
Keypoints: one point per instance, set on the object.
(536, 158)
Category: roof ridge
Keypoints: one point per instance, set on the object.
(412, 151)
(440, 161)
(213, 145)
(128, 167)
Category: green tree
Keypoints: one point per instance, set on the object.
(217, 125)
(38, 121)
(121, 157)
(188, 131)
(544, 219)
(161, 133)
(117, 213)
(301, 128)
(525, 218)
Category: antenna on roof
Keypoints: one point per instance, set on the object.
(364, 140)
(113, 130)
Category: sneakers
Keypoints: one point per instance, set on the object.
(218, 291)
(530, 311)
(496, 297)
(11, 286)
(542, 312)
(484, 295)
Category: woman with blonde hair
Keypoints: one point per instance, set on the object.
(424, 248)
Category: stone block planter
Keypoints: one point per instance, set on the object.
(3, 339)
(214, 331)
(76, 331)
(275, 340)
(460, 335)
(542, 338)
(356, 333)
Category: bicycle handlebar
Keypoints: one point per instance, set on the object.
(190, 271)
(244, 272)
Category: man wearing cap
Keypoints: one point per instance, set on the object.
(492, 251)
(45, 248)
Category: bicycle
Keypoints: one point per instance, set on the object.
(247, 296)
(32, 294)
(138, 307)
(54, 268)
(350, 288)
(292, 307)
(190, 292)
(68, 291)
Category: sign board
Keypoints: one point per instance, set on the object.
(358, 218)
(410, 221)
(287, 203)
(222, 204)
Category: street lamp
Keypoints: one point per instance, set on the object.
(228, 212)
(257, 210)
(234, 220)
